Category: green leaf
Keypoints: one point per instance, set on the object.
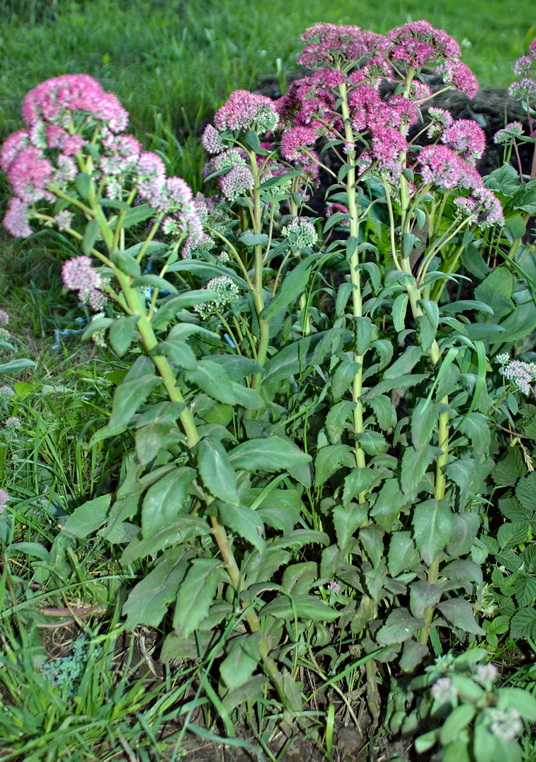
(83, 184)
(358, 480)
(457, 721)
(90, 236)
(164, 500)
(15, 366)
(346, 523)
(422, 595)
(212, 378)
(292, 287)
(217, 471)
(363, 329)
(301, 606)
(253, 239)
(385, 412)
(241, 661)
(505, 180)
(267, 454)
(87, 518)
(343, 376)
(511, 535)
(196, 594)
(414, 465)
(126, 263)
(183, 529)
(338, 418)
(526, 491)
(400, 625)
(372, 442)
(389, 503)
(155, 436)
(402, 554)
(172, 305)
(245, 522)
(371, 537)
(433, 524)
(405, 363)
(412, 655)
(330, 459)
(150, 598)
(459, 613)
(136, 215)
(132, 392)
(521, 700)
(154, 281)
(496, 290)
(423, 422)
(466, 526)
(399, 309)
(299, 578)
(122, 333)
(523, 623)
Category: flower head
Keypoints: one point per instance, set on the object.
(226, 293)
(505, 724)
(444, 690)
(465, 137)
(78, 275)
(16, 218)
(4, 499)
(247, 111)
(509, 133)
(328, 43)
(29, 173)
(417, 43)
(300, 232)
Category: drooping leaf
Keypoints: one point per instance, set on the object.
(88, 517)
(267, 454)
(217, 471)
(399, 626)
(330, 459)
(433, 524)
(459, 613)
(405, 363)
(402, 554)
(196, 594)
(149, 600)
(241, 661)
(164, 500)
(245, 522)
(122, 333)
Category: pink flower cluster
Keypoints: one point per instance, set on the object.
(332, 43)
(481, 208)
(525, 87)
(440, 166)
(55, 100)
(78, 275)
(39, 160)
(245, 111)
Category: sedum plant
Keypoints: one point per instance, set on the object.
(306, 412)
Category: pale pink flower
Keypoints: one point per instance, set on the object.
(12, 146)
(211, 140)
(489, 209)
(78, 275)
(29, 173)
(509, 133)
(439, 166)
(523, 66)
(63, 219)
(5, 497)
(247, 111)
(4, 317)
(151, 175)
(16, 218)
(386, 145)
(236, 182)
(524, 89)
(441, 119)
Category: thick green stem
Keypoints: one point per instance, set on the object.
(355, 276)
(220, 535)
(149, 341)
